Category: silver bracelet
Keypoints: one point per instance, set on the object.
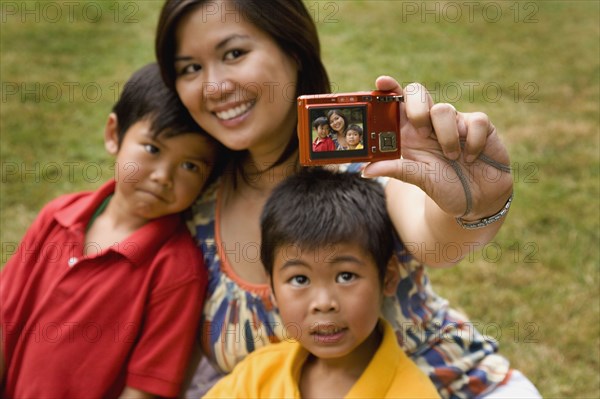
(478, 224)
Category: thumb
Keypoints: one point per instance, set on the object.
(387, 83)
(401, 169)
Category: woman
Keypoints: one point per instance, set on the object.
(338, 124)
(238, 67)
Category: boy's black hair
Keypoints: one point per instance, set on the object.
(146, 97)
(356, 128)
(317, 207)
(320, 121)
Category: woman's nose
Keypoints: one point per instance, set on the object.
(218, 85)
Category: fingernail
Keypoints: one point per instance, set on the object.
(470, 158)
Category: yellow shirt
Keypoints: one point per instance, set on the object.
(274, 372)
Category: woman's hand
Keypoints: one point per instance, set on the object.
(456, 158)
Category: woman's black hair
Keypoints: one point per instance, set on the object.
(288, 22)
(341, 115)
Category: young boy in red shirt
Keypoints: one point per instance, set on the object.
(103, 296)
(323, 142)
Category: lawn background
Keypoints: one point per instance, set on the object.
(533, 66)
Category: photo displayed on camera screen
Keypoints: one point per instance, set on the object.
(324, 144)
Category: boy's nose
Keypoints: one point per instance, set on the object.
(324, 301)
(163, 176)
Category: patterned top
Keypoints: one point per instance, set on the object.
(338, 146)
(239, 317)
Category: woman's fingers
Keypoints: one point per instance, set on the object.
(441, 121)
(479, 128)
(418, 103)
(444, 121)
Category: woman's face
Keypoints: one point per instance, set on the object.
(336, 122)
(234, 79)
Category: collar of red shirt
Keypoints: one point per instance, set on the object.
(143, 242)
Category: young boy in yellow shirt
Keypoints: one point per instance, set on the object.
(327, 246)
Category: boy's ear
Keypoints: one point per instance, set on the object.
(392, 277)
(111, 134)
(273, 299)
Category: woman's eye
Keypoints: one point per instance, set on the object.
(151, 149)
(233, 54)
(299, 281)
(191, 68)
(345, 277)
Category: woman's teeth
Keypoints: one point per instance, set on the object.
(234, 112)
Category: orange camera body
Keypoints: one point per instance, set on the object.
(376, 113)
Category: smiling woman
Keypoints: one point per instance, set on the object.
(234, 50)
(221, 79)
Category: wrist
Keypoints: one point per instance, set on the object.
(477, 223)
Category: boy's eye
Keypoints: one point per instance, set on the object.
(345, 277)
(151, 149)
(299, 281)
(190, 166)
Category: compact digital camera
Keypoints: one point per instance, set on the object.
(369, 122)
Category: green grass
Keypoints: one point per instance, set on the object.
(534, 68)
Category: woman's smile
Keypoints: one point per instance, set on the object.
(235, 111)
(234, 81)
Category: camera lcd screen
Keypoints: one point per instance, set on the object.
(338, 132)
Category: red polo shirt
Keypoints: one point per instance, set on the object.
(78, 325)
(325, 144)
